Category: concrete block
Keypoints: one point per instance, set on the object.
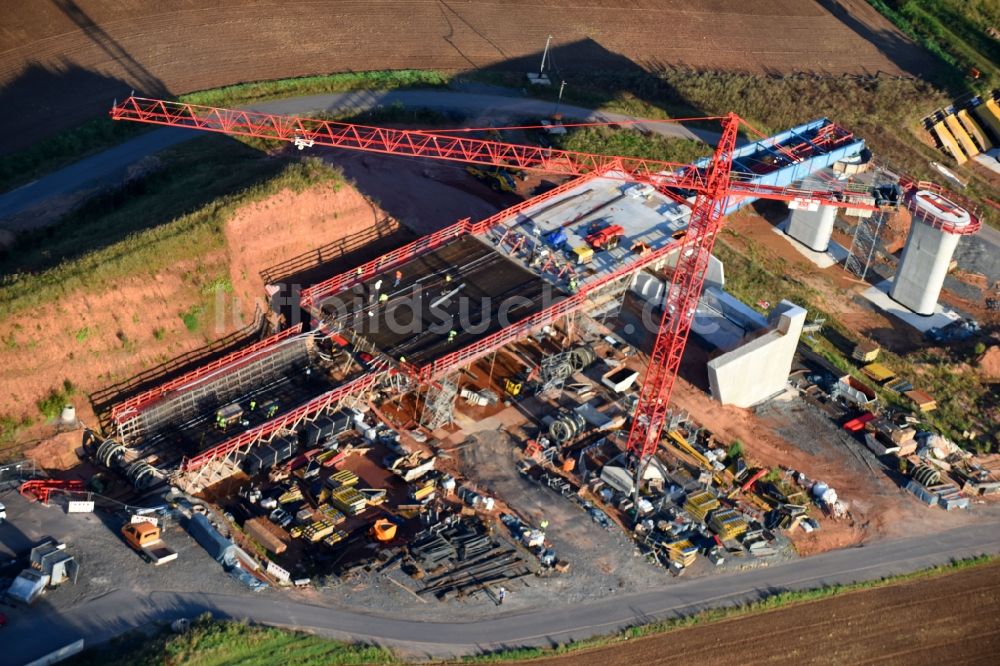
(759, 368)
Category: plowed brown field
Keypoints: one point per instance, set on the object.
(63, 61)
(950, 619)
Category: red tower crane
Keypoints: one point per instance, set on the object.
(712, 185)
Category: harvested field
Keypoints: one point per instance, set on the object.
(63, 62)
(922, 621)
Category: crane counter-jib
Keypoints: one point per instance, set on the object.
(306, 132)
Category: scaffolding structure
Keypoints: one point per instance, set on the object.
(153, 425)
(865, 244)
(439, 403)
(137, 415)
(221, 461)
(252, 374)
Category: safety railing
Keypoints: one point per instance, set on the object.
(135, 403)
(311, 297)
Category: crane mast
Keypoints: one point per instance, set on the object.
(712, 185)
(681, 299)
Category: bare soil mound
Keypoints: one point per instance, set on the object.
(290, 224)
(989, 363)
(96, 339)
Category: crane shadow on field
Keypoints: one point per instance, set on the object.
(35, 105)
(136, 73)
(42, 99)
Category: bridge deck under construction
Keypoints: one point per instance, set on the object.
(445, 300)
(501, 259)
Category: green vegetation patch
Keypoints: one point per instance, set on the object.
(210, 642)
(603, 141)
(102, 133)
(259, 91)
(176, 213)
(52, 404)
(192, 317)
(65, 148)
(953, 30)
(10, 427)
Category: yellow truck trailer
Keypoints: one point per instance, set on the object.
(948, 141)
(974, 130)
(963, 138)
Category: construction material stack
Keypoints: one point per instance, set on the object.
(700, 504)
(727, 523)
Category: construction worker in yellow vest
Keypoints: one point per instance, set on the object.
(384, 298)
(452, 334)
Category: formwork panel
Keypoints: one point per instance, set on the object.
(180, 422)
(989, 119)
(975, 131)
(961, 136)
(948, 141)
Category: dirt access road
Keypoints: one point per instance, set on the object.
(921, 621)
(63, 61)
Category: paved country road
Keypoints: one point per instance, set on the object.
(100, 619)
(24, 207)
(110, 166)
